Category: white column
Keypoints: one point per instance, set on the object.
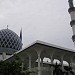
(39, 67)
(4, 55)
(61, 59)
(22, 65)
(51, 57)
(71, 61)
(41, 62)
(52, 64)
(71, 64)
(62, 63)
(29, 62)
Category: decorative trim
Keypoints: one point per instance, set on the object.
(73, 38)
(72, 23)
(71, 9)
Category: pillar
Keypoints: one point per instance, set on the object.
(61, 59)
(22, 64)
(39, 51)
(41, 62)
(71, 61)
(62, 63)
(39, 67)
(52, 64)
(4, 55)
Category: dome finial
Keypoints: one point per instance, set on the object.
(7, 26)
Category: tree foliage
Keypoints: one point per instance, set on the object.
(12, 67)
(58, 70)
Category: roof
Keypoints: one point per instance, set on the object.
(42, 43)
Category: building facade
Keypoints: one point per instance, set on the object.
(33, 55)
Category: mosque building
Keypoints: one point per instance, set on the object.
(10, 42)
(34, 54)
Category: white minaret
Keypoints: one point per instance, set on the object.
(72, 14)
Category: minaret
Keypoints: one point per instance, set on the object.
(21, 34)
(71, 11)
(7, 26)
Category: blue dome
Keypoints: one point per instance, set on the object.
(9, 39)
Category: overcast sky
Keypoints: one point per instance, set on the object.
(45, 20)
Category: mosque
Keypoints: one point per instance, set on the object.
(10, 42)
(36, 53)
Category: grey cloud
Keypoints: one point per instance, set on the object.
(46, 20)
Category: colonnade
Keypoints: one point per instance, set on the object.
(40, 63)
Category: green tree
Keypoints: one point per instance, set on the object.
(68, 70)
(12, 67)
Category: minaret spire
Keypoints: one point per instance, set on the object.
(70, 3)
(21, 34)
(72, 14)
(7, 26)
